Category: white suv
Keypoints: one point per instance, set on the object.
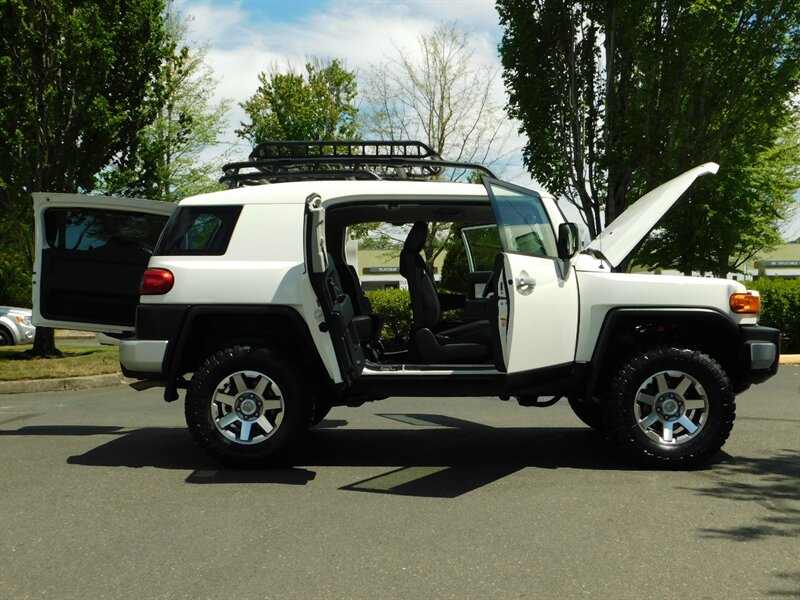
(245, 298)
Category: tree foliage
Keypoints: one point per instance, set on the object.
(616, 98)
(455, 266)
(728, 223)
(77, 79)
(315, 105)
(167, 162)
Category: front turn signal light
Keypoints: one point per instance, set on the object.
(156, 281)
(745, 303)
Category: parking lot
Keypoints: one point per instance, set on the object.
(104, 495)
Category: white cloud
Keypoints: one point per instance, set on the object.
(246, 38)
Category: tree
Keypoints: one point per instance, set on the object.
(455, 266)
(618, 97)
(167, 162)
(443, 98)
(317, 105)
(550, 52)
(747, 202)
(77, 78)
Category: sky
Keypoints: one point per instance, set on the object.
(246, 37)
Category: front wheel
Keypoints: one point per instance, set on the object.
(247, 405)
(6, 339)
(671, 407)
(591, 413)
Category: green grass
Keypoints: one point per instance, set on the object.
(77, 361)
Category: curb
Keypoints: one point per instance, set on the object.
(63, 384)
(96, 381)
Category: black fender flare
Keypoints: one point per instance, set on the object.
(172, 365)
(702, 317)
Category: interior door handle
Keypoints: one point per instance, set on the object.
(525, 281)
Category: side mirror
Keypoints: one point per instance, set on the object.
(567, 240)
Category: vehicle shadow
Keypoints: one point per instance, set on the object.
(438, 456)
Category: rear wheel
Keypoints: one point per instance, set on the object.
(671, 406)
(247, 405)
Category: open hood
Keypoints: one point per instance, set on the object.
(617, 240)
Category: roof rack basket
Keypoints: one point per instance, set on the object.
(275, 162)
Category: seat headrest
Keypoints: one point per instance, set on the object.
(416, 237)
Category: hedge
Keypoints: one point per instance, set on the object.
(394, 305)
(780, 307)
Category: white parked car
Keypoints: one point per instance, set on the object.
(15, 326)
(247, 301)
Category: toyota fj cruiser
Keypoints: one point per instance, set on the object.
(246, 299)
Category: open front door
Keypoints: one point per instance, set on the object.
(91, 252)
(537, 291)
(345, 327)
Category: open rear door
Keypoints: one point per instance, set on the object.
(91, 252)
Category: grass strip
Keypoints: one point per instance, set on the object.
(78, 361)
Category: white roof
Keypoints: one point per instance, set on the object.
(296, 192)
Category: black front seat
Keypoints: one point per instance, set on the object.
(434, 340)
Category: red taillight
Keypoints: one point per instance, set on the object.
(156, 281)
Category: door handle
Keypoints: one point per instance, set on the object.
(524, 281)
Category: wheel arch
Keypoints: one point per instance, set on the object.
(208, 328)
(625, 330)
(4, 328)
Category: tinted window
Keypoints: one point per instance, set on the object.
(94, 230)
(524, 225)
(199, 230)
(482, 244)
(93, 262)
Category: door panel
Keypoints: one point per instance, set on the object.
(337, 307)
(537, 295)
(542, 327)
(91, 252)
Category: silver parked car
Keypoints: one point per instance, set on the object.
(15, 326)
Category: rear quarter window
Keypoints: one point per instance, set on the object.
(199, 231)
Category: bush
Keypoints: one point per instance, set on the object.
(394, 305)
(780, 308)
(15, 280)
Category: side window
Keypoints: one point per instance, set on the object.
(482, 243)
(524, 225)
(199, 230)
(98, 230)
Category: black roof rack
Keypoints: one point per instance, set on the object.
(275, 162)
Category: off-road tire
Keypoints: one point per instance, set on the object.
(591, 413)
(320, 411)
(233, 424)
(670, 407)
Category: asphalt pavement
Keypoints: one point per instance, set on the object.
(104, 496)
